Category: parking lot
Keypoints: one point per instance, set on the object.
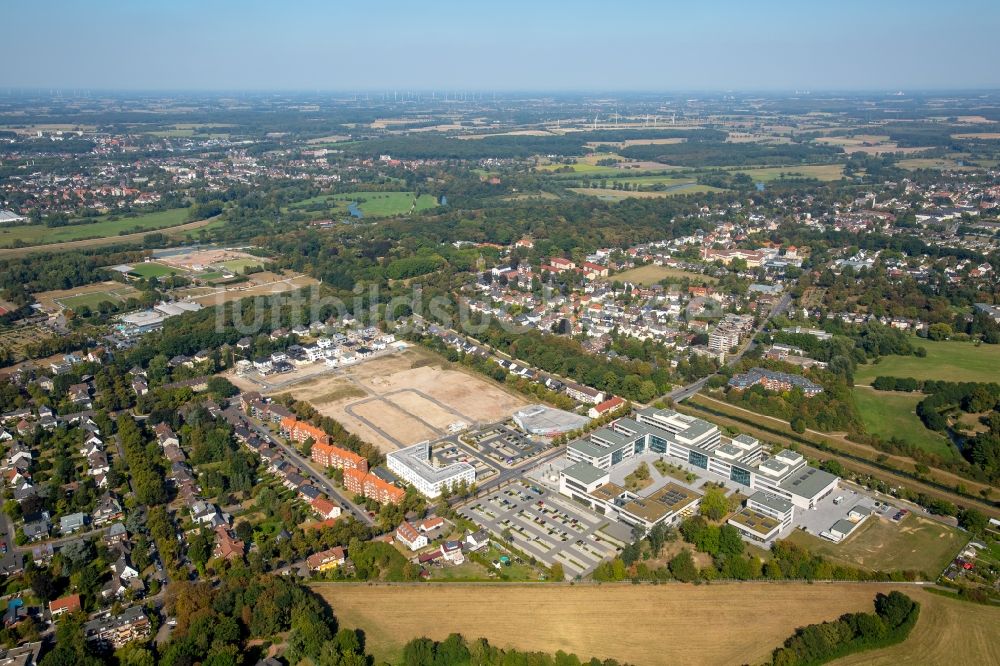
(549, 527)
(448, 451)
(828, 510)
(503, 445)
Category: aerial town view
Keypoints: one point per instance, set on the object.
(396, 334)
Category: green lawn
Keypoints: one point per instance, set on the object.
(239, 265)
(92, 300)
(881, 545)
(371, 204)
(39, 234)
(945, 360)
(890, 414)
(153, 269)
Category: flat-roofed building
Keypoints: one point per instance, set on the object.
(755, 525)
(413, 465)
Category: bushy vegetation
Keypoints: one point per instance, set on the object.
(894, 617)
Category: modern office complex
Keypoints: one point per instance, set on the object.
(413, 465)
(592, 486)
(700, 444)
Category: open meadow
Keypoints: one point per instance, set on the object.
(892, 414)
(946, 360)
(652, 274)
(666, 624)
(825, 172)
(39, 234)
(371, 204)
(914, 543)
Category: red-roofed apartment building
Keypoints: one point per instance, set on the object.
(300, 431)
(329, 455)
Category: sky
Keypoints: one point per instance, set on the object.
(345, 45)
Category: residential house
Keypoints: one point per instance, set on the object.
(408, 535)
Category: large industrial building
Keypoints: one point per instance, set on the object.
(413, 465)
(784, 481)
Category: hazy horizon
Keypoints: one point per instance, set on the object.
(310, 46)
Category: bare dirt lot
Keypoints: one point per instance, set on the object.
(398, 399)
(734, 624)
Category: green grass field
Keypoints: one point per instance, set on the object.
(818, 171)
(881, 545)
(153, 269)
(239, 265)
(371, 204)
(890, 414)
(39, 234)
(92, 300)
(945, 360)
(652, 274)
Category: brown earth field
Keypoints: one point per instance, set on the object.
(408, 396)
(668, 624)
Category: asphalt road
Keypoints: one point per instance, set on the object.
(319, 479)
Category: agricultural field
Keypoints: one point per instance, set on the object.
(634, 624)
(938, 163)
(91, 295)
(892, 414)
(824, 172)
(652, 274)
(880, 545)
(946, 360)
(39, 234)
(947, 632)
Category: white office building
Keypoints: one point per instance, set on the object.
(414, 466)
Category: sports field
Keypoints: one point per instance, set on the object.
(891, 414)
(240, 265)
(652, 274)
(91, 295)
(666, 624)
(39, 234)
(153, 269)
(946, 360)
(882, 545)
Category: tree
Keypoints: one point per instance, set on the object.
(973, 520)
(715, 504)
(682, 567)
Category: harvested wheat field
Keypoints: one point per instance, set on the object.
(400, 399)
(642, 625)
(947, 632)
